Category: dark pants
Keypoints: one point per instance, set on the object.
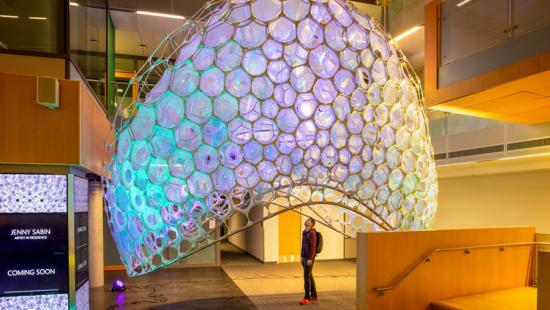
(309, 283)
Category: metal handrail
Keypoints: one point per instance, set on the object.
(466, 249)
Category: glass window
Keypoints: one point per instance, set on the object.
(32, 25)
(468, 27)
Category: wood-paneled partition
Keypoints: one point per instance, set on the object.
(382, 257)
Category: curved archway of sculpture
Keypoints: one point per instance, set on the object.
(257, 107)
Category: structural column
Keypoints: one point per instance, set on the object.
(95, 237)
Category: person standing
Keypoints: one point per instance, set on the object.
(309, 248)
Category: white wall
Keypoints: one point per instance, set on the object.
(511, 199)
(250, 240)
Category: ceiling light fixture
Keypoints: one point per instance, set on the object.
(463, 3)
(9, 16)
(74, 4)
(525, 156)
(38, 17)
(160, 14)
(407, 33)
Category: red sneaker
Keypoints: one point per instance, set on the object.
(314, 297)
(305, 302)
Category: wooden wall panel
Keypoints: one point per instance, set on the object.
(384, 256)
(94, 131)
(32, 65)
(33, 134)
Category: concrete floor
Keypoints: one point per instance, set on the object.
(241, 283)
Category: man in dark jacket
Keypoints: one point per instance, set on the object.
(309, 246)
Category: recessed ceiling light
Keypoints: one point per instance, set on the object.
(463, 3)
(74, 4)
(38, 17)
(9, 16)
(407, 33)
(160, 14)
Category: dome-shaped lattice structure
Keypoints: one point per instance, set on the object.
(269, 105)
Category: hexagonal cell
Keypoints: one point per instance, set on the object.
(282, 30)
(286, 143)
(355, 123)
(155, 196)
(226, 107)
(212, 82)
(285, 95)
(357, 37)
(272, 49)
(262, 87)
(218, 34)
(162, 142)
(181, 164)
(188, 135)
(334, 34)
(310, 33)
(189, 49)
(266, 10)
(199, 107)
(302, 78)
(339, 135)
(206, 158)
(270, 108)
(123, 145)
(143, 123)
(324, 61)
(278, 71)
(247, 175)
(287, 120)
(349, 59)
(240, 131)
(229, 56)
(139, 156)
(199, 184)
(251, 35)
(250, 108)
(170, 110)
(224, 179)
(312, 156)
(185, 80)
(204, 58)
(339, 173)
(305, 134)
(296, 156)
(296, 10)
(239, 14)
(231, 154)
(158, 171)
(324, 116)
(265, 130)
(284, 164)
(254, 62)
(344, 81)
(295, 55)
(320, 13)
(341, 107)
(329, 156)
(176, 191)
(253, 152)
(238, 83)
(305, 105)
(215, 132)
(267, 170)
(324, 91)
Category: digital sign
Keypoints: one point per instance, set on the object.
(33, 233)
(33, 274)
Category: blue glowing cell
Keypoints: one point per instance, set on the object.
(250, 108)
(287, 120)
(215, 132)
(158, 171)
(188, 136)
(271, 152)
(200, 184)
(185, 80)
(162, 142)
(176, 190)
(170, 110)
(224, 179)
(253, 152)
(240, 131)
(238, 83)
(143, 123)
(231, 154)
(212, 82)
(139, 157)
(254, 62)
(267, 171)
(206, 158)
(181, 164)
(265, 130)
(262, 87)
(198, 107)
(226, 107)
(229, 57)
(251, 35)
(155, 196)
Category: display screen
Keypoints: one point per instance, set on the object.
(33, 274)
(81, 247)
(33, 233)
